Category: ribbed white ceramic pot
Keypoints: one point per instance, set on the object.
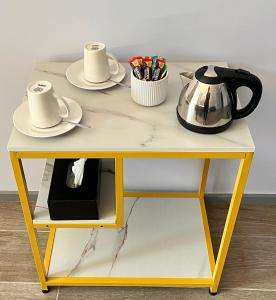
(149, 93)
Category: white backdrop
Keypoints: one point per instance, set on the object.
(240, 32)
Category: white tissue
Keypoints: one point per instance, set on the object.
(78, 169)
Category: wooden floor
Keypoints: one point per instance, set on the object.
(250, 271)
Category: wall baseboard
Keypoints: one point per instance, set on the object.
(247, 198)
(13, 195)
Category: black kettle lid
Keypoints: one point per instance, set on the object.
(215, 75)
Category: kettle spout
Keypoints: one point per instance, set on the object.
(186, 77)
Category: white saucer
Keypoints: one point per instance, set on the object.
(22, 121)
(75, 75)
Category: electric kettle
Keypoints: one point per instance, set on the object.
(208, 102)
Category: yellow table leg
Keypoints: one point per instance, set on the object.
(119, 187)
(201, 192)
(49, 248)
(23, 195)
(204, 176)
(240, 183)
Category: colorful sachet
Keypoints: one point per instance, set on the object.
(148, 68)
(136, 65)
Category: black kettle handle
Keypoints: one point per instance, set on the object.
(245, 78)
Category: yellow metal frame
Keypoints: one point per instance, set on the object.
(216, 266)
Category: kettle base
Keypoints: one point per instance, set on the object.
(201, 129)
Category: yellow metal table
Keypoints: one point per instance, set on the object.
(142, 238)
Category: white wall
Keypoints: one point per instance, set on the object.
(240, 32)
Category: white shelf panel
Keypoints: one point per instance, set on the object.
(107, 206)
(162, 238)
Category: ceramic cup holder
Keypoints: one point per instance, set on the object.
(149, 93)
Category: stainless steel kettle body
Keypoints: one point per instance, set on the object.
(208, 103)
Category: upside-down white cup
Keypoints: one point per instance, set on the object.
(96, 63)
(46, 109)
(149, 93)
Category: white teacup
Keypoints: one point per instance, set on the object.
(46, 108)
(96, 63)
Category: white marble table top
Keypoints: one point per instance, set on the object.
(119, 124)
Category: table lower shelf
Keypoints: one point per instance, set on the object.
(163, 242)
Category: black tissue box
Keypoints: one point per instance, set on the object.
(79, 203)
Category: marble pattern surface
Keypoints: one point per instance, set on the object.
(119, 124)
(107, 209)
(161, 238)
